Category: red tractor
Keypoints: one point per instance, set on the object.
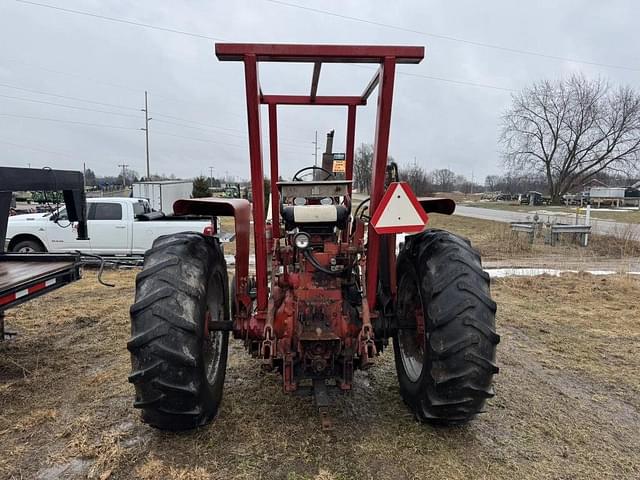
(328, 290)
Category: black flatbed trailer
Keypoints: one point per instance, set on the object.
(24, 277)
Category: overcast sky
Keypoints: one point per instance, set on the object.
(197, 103)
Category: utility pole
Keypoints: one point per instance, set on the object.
(315, 153)
(211, 177)
(124, 173)
(146, 130)
(84, 176)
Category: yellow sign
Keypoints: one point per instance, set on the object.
(339, 166)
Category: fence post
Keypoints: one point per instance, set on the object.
(587, 221)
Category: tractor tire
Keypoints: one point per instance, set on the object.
(178, 365)
(445, 345)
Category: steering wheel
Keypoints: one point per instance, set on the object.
(296, 177)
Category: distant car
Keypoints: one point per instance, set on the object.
(532, 198)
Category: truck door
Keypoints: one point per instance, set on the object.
(62, 235)
(108, 228)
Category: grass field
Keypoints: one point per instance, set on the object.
(566, 406)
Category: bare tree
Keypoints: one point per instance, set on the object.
(491, 182)
(443, 179)
(571, 130)
(421, 182)
(362, 167)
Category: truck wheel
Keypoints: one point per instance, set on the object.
(445, 345)
(28, 246)
(178, 365)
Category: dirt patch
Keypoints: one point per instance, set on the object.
(566, 404)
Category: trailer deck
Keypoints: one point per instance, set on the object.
(26, 276)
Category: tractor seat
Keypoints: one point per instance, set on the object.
(325, 215)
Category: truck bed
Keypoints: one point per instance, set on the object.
(25, 276)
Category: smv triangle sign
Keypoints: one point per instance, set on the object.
(399, 211)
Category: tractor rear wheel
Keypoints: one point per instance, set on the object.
(445, 344)
(178, 365)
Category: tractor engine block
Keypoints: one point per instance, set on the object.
(314, 316)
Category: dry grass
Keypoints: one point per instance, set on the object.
(625, 243)
(590, 323)
(496, 241)
(566, 406)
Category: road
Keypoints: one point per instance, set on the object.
(602, 227)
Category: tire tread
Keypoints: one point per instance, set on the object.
(167, 332)
(461, 326)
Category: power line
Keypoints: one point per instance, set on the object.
(208, 125)
(89, 124)
(214, 142)
(35, 149)
(71, 74)
(99, 82)
(442, 79)
(202, 129)
(77, 99)
(67, 106)
(338, 15)
(459, 82)
(451, 38)
(95, 80)
(199, 139)
(119, 20)
(58, 120)
(199, 123)
(67, 97)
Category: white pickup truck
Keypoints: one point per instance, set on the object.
(117, 226)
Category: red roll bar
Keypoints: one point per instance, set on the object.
(251, 54)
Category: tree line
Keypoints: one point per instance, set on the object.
(557, 137)
(130, 176)
(422, 182)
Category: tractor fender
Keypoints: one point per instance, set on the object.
(445, 206)
(240, 210)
